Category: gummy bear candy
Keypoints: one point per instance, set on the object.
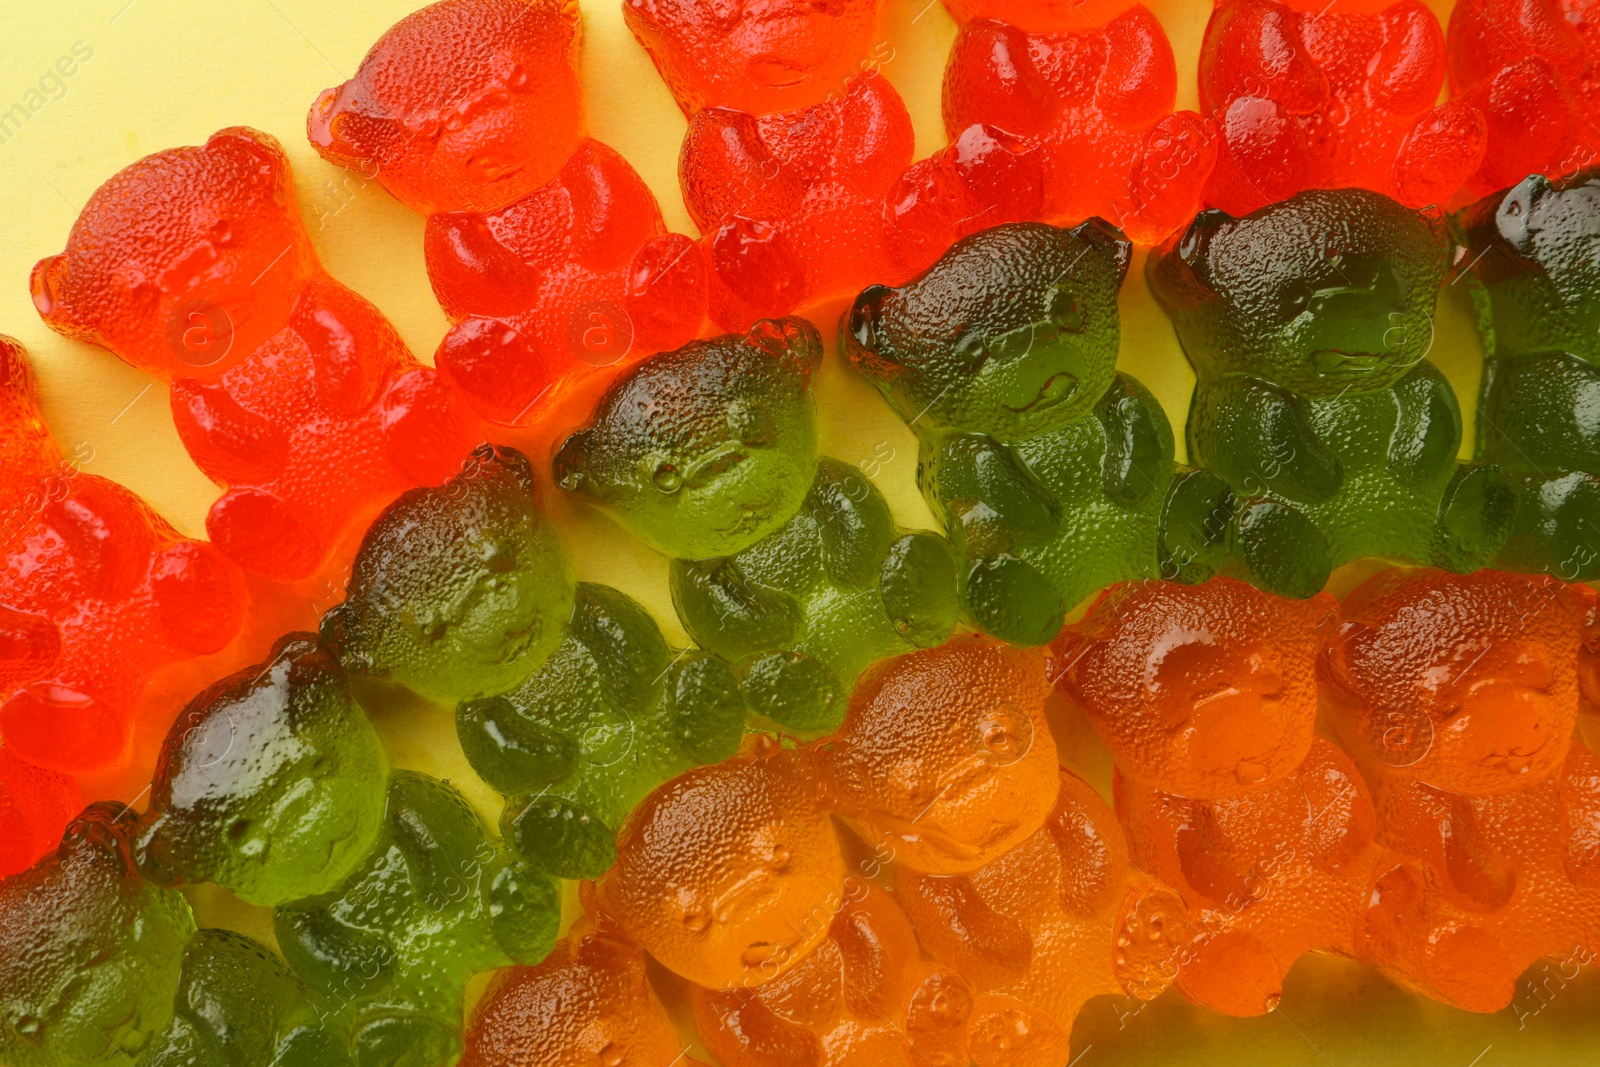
(612, 714)
(100, 594)
(457, 591)
(728, 874)
(861, 996)
(589, 1002)
(945, 759)
(89, 951)
(1049, 469)
(270, 783)
(1465, 682)
(1091, 88)
(1206, 690)
(788, 566)
(1532, 255)
(1306, 95)
(1527, 65)
(287, 388)
(35, 806)
(1308, 323)
(1057, 920)
(435, 902)
(544, 246)
(239, 1006)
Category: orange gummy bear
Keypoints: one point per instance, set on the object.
(945, 761)
(545, 247)
(287, 388)
(1059, 919)
(729, 873)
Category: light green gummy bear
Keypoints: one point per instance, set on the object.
(789, 567)
(270, 783)
(458, 591)
(612, 714)
(89, 951)
(434, 903)
(239, 1006)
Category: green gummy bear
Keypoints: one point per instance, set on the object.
(1308, 323)
(270, 783)
(612, 714)
(1048, 468)
(458, 591)
(90, 951)
(787, 566)
(435, 902)
(1532, 256)
(239, 1006)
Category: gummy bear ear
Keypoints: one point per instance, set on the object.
(568, 468)
(1194, 244)
(329, 136)
(44, 283)
(1106, 239)
(789, 338)
(859, 339)
(1513, 216)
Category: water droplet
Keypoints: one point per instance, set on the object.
(667, 477)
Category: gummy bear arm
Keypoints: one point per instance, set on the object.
(1138, 456)
(981, 482)
(1258, 438)
(1427, 434)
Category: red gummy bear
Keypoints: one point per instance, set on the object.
(945, 760)
(1202, 690)
(1059, 919)
(286, 387)
(100, 594)
(545, 247)
(35, 807)
(795, 163)
(1308, 95)
(1093, 88)
(589, 1002)
(1530, 66)
(862, 996)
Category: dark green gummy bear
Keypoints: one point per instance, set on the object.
(1532, 255)
(1049, 469)
(457, 591)
(786, 566)
(613, 713)
(1308, 323)
(435, 902)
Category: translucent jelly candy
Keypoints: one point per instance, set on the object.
(459, 591)
(35, 806)
(1526, 64)
(861, 996)
(1092, 89)
(545, 247)
(1532, 256)
(1049, 469)
(287, 388)
(612, 714)
(588, 1002)
(1057, 920)
(729, 874)
(238, 1006)
(789, 567)
(1465, 682)
(1205, 691)
(270, 783)
(100, 594)
(89, 951)
(435, 902)
(1308, 323)
(1308, 96)
(945, 759)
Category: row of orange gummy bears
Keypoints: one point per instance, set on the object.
(984, 892)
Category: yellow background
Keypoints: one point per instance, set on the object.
(169, 72)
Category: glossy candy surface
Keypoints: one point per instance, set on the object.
(287, 388)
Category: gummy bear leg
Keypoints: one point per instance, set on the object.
(1005, 1032)
(794, 690)
(399, 1037)
(1467, 966)
(259, 531)
(200, 597)
(918, 582)
(1233, 973)
(1282, 551)
(1192, 544)
(1475, 518)
(64, 729)
(570, 840)
(1557, 529)
(1008, 598)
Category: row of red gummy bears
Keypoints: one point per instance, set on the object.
(1452, 843)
